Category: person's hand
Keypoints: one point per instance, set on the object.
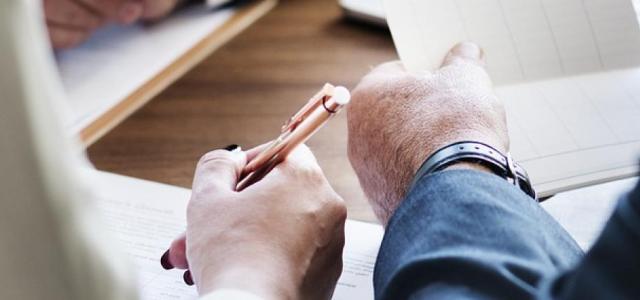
(398, 119)
(154, 10)
(70, 22)
(280, 238)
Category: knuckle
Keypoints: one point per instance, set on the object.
(339, 210)
(216, 157)
(307, 172)
(334, 206)
(312, 174)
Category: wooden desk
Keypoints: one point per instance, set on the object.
(242, 93)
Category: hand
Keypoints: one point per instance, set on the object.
(70, 22)
(398, 119)
(154, 10)
(280, 238)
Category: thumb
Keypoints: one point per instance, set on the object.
(466, 52)
(218, 172)
(300, 161)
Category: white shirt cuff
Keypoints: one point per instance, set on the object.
(230, 294)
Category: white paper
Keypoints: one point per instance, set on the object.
(359, 258)
(584, 212)
(576, 131)
(523, 39)
(567, 70)
(146, 216)
(118, 60)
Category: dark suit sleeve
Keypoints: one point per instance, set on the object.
(611, 269)
(471, 235)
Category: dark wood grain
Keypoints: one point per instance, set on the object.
(243, 92)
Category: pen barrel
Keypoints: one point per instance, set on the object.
(297, 130)
(311, 125)
(301, 134)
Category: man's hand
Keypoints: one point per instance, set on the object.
(398, 119)
(280, 238)
(70, 22)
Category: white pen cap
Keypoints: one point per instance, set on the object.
(341, 95)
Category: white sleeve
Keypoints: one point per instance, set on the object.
(230, 294)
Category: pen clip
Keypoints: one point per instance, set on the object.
(316, 101)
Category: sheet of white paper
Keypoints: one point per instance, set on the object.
(567, 70)
(146, 216)
(584, 212)
(117, 60)
(575, 131)
(523, 39)
(359, 257)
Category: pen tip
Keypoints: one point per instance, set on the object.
(341, 95)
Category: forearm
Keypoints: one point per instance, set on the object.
(473, 233)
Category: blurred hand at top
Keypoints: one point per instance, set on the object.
(71, 22)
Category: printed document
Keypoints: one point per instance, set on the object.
(146, 216)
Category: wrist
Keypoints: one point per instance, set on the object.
(479, 156)
(267, 284)
(469, 166)
(425, 152)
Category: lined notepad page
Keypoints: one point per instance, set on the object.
(567, 70)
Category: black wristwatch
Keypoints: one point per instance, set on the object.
(478, 153)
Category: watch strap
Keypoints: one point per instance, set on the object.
(478, 153)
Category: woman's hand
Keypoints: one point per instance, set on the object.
(398, 119)
(280, 238)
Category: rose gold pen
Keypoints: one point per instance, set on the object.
(297, 130)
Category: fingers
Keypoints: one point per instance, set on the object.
(122, 11)
(71, 14)
(253, 152)
(156, 9)
(465, 53)
(300, 163)
(218, 172)
(63, 37)
(176, 256)
(300, 158)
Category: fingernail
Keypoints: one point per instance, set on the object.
(232, 147)
(130, 12)
(164, 261)
(187, 277)
(468, 50)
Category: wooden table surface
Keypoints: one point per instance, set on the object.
(243, 93)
